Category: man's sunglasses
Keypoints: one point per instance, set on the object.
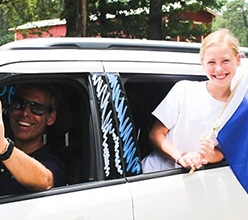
(35, 107)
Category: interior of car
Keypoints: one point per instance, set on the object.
(68, 137)
(150, 91)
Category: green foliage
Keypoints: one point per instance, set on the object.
(187, 30)
(22, 11)
(5, 35)
(178, 24)
(130, 18)
(18, 12)
(234, 17)
(111, 18)
(126, 18)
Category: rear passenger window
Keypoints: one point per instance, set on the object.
(144, 93)
(144, 96)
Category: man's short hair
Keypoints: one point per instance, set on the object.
(51, 89)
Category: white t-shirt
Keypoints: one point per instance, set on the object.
(189, 112)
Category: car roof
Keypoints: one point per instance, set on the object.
(101, 43)
(99, 49)
(112, 60)
(114, 54)
(106, 44)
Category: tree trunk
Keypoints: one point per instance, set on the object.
(155, 20)
(84, 18)
(72, 14)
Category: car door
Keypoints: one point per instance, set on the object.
(96, 200)
(212, 192)
(205, 194)
(106, 195)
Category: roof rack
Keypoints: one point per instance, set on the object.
(105, 44)
(101, 43)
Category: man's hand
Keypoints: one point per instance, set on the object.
(3, 140)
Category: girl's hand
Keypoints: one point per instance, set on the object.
(207, 149)
(191, 159)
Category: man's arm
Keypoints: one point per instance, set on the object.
(28, 171)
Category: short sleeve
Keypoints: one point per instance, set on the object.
(169, 109)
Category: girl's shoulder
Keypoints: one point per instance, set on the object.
(187, 88)
(189, 84)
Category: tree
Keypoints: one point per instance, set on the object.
(84, 18)
(5, 35)
(178, 24)
(155, 20)
(17, 12)
(22, 11)
(132, 18)
(126, 18)
(234, 17)
(72, 12)
(152, 19)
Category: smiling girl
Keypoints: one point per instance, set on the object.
(186, 115)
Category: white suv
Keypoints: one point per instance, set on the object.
(110, 87)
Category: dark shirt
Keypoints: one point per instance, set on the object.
(8, 184)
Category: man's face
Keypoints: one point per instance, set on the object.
(27, 126)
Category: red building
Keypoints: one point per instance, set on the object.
(200, 17)
(44, 28)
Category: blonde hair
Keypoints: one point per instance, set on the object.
(217, 37)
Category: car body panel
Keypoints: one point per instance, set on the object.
(101, 43)
(90, 60)
(201, 195)
(110, 202)
(52, 67)
(97, 55)
(106, 44)
(213, 193)
(152, 67)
